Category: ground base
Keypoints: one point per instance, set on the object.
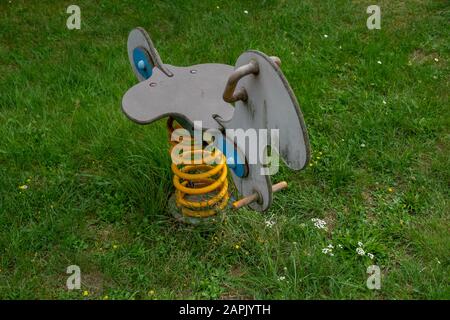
(176, 213)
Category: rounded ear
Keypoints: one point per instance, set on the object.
(271, 104)
(143, 55)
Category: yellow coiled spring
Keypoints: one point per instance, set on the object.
(201, 189)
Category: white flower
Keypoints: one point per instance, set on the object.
(325, 36)
(436, 59)
(328, 251)
(360, 244)
(270, 223)
(330, 246)
(245, 11)
(281, 278)
(360, 251)
(379, 62)
(384, 101)
(370, 255)
(363, 145)
(319, 223)
(218, 7)
(340, 246)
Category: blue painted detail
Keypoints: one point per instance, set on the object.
(142, 62)
(234, 162)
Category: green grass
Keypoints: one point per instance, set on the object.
(99, 184)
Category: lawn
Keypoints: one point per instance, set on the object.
(82, 185)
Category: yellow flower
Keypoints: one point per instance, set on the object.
(390, 189)
(115, 246)
(236, 246)
(105, 298)
(85, 293)
(23, 187)
(151, 292)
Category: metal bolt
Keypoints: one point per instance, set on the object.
(141, 64)
(152, 84)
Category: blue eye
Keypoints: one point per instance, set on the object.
(142, 62)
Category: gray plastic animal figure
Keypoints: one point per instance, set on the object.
(254, 94)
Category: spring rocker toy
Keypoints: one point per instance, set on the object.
(254, 94)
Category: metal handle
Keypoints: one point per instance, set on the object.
(229, 95)
(253, 197)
